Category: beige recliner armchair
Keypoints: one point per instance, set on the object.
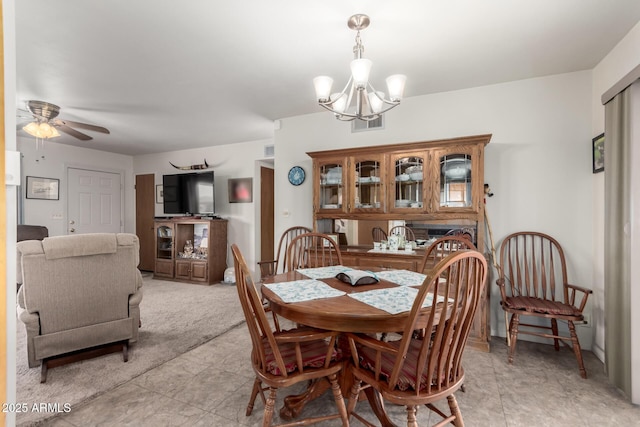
(78, 292)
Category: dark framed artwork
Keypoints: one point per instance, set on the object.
(43, 188)
(240, 190)
(597, 149)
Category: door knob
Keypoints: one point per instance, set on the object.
(72, 222)
(71, 230)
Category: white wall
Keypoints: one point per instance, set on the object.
(620, 61)
(227, 161)
(51, 162)
(538, 162)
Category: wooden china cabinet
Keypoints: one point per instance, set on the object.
(437, 183)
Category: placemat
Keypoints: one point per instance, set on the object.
(303, 290)
(323, 272)
(402, 277)
(393, 300)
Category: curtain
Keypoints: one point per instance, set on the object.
(617, 241)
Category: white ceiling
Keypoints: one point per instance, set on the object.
(170, 75)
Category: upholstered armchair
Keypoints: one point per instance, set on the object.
(78, 292)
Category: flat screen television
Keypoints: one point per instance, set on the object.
(189, 193)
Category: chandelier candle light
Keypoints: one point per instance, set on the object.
(369, 103)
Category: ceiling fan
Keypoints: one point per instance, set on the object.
(45, 123)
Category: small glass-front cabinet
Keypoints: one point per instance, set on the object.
(331, 185)
(456, 186)
(164, 241)
(366, 184)
(408, 172)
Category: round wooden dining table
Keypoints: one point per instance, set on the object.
(341, 314)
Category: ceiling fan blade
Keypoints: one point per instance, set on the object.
(70, 131)
(24, 114)
(83, 126)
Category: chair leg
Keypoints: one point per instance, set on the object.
(43, 371)
(515, 320)
(577, 350)
(257, 384)
(269, 407)
(506, 326)
(554, 331)
(353, 396)
(125, 351)
(337, 395)
(411, 416)
(455, 411)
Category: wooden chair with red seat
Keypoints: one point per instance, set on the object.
(278, 265)
(442, 247)
(284, 358)
(311, 250)
(414, 371)
(533, 282)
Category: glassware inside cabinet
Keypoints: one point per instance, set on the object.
(409, 179)
(164, 242)
(455, 181)
(368, 184)
(330, 186)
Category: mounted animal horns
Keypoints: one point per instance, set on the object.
(204, 165)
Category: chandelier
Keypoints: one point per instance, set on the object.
(368, 103)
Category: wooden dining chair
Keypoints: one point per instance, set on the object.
(378, 234)
(284, 358)
(403, 230)
(442, 247)
(312, 250)
(278, 265)
(415, 371)
(533, 282)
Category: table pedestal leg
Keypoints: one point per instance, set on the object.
(293, 405)
(377, 406)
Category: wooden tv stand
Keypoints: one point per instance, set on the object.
(206, 266)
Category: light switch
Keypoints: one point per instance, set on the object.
(12, 167)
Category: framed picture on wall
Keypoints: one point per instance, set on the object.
(43, 188)
(598, 153)
(240, 190)
(159, 194)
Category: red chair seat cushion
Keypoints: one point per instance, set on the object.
(313, 355)
(542, 306)
(407, 379)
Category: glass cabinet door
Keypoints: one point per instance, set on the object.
(408, 177)
(366, 184)
(164, 241)
(330, 181)
(455, 187)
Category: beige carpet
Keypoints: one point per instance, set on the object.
(176, 317)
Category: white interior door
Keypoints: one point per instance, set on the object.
(94, 202)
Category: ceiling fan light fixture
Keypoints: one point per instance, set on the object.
(41, 130)
(369, 104)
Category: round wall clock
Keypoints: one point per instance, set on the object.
(296, 175)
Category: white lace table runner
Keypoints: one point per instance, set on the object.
(393, 300)
(303, 290)
(323, 272)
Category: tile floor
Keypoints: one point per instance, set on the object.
(210, 386)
